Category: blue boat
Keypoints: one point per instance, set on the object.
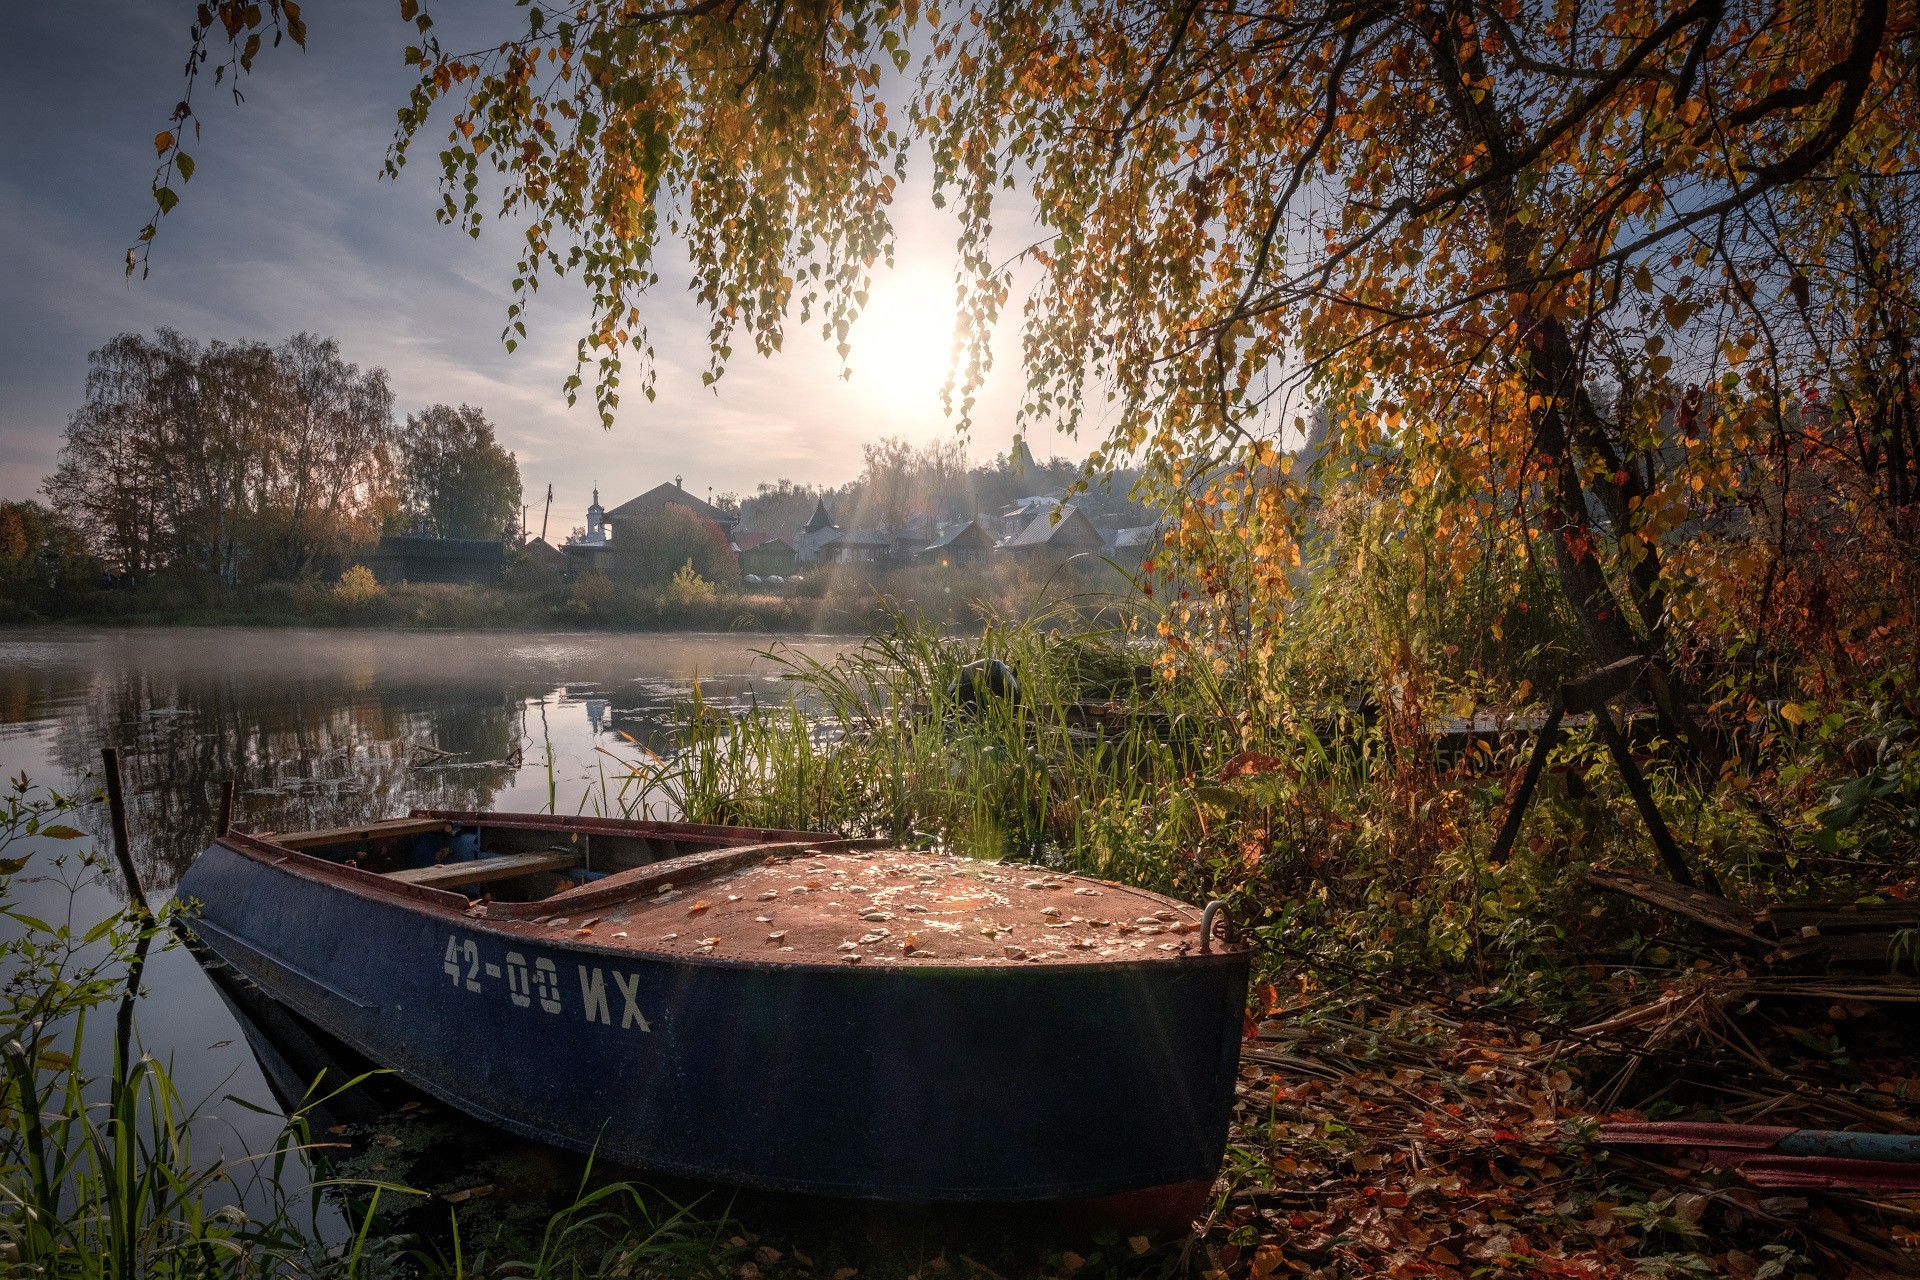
(778, 1009)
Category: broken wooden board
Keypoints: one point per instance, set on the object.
(452, 875)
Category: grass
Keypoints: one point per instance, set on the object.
(1336, 838)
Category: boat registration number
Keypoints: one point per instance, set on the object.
(538, 982)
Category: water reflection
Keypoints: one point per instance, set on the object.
(320, 728)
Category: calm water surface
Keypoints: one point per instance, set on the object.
(325, 728)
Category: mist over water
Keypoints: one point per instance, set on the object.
(327, 728)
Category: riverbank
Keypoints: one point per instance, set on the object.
(836, 601)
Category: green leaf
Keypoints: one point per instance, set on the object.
(185, 162)
(408, 8)
(32, 922)
(61, 831)
(165, 198)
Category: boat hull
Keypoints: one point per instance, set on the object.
(922, 1084)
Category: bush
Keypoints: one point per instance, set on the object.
(592, 596)
(689, 589)
(357, 586)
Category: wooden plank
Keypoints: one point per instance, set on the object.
(1695, 904)
(370, 831)
(449, 875)
(1841, 917)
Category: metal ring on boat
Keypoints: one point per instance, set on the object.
(1206, 925)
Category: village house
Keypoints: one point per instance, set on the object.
(819, 531)
(1043, 539)
(970, 544)
(871, 547)
(609, 533)
(656, 500)
(764, 555)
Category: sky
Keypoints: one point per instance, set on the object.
(288, 226)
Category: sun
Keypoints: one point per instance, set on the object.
(903, 342)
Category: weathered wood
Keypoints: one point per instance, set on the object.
(1670, 855)
(1840, 917)
(371, 831)
(449, 875)
(1696, 904)
(1593, 692)
(1542, 748)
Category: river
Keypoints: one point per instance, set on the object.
(323, 728)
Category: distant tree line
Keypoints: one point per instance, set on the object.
(246, 462)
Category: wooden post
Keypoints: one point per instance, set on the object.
(1542, 748)
(122, 846)
(1642, 797)
(225, 822)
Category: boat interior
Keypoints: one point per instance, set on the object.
(511, 857)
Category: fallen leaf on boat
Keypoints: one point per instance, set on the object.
(776, 935)
(219, 1044)
(470, 1193)
(698, 907)
(1138, 1244)
(386, 1139)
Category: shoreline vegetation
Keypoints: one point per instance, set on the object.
(833, 601)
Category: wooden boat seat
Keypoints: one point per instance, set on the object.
(452, 875)
(391, 829)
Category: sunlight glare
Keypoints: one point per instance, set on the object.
(902, 343)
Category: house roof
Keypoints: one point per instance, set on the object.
(967, 535)
(748, 541)
(659, 498)
(860, 538)
(541, 549)
(1137, 536)
(821, 520)
(1074, 530)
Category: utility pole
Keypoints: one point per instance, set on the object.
(547, 512)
